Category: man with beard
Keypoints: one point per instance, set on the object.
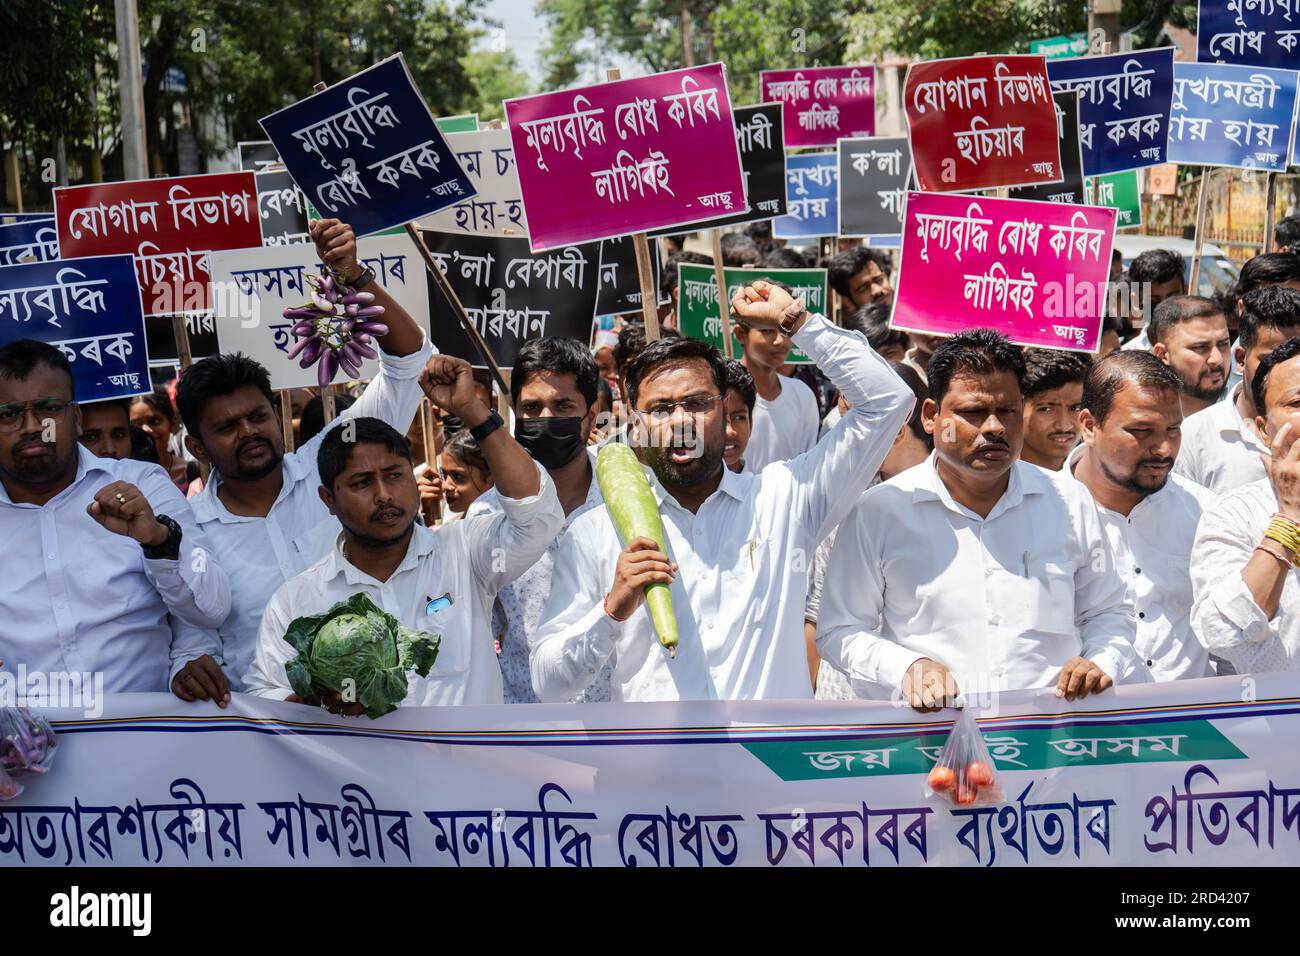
(553, 389)
(260, 508)
(1221, 449)
(1131, 418)
(440, 581)
(1190, 335)
(743, 542)
(1053, 392)
(1246, 606)
(101, 551)
(973, 570)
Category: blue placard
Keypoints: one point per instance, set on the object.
(90, 308)
(1249, 32)
(368, 151)
(812, 187)
(1226, 115)
(35, 241)
(1124, 104)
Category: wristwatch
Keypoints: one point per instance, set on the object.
(367, 276)
(487, 426)
(169, 549)
(788, 326)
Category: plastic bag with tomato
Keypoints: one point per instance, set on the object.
(964, 774)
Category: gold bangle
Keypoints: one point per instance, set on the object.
(1286, 536)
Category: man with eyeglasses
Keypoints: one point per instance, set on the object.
(739, 545)
(100, 552)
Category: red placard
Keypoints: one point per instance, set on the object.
(169, 225)
(980, 122)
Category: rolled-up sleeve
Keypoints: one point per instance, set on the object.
(194, 586)
(576, 637)
(189, 643)
(1225, 617)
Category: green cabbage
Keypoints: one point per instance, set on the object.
(357, 650)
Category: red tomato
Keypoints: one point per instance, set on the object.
(942, 778)
(964, 796)
(979, 774)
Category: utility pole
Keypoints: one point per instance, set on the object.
(688, 41)
(130, 81)
(1104, 15)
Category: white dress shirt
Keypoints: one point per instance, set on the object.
(785, 427)
(260, 554)
(1224, 614)
(78, 598)
(467, 560)
(1153, 550)
(1002, 602)
(744, 559)
(520, 604)
(1220, 449)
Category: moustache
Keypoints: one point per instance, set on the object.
(251, 443)
(380, 514)
(1156, 463)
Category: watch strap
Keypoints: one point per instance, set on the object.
(487, 426)
(169, 549)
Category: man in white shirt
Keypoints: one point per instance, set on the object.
(1190, 334)
(786, 417)
(553, 388)
(443, 581)
(1246, 595)
(99, 552)
(743, 542)
(1131, 417)
(1221, 449)
(260, 508)
(974, 570)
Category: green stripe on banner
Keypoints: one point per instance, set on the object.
(1048, 749)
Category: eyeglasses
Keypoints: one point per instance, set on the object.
(13, 416)
(694, 406)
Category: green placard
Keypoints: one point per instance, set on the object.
(1055, 48)
(464, 123)
(1016, 749)
(697, 298)
(1118, 191)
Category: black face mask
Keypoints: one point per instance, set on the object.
(553, 442)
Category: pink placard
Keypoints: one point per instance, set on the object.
(1035, 271)
(823, 104)
(981, 122)
(169, 225)
(598, 162)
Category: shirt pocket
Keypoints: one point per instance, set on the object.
(1043, 600)
(454, 628)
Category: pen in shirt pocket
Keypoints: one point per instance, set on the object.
(1025, 564)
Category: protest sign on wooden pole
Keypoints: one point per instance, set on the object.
(724, 305)
(286, 418)
(1202, 198)
(644, 270)
(432, 452)
(1270, 201)
(327, 405)
(182, 333)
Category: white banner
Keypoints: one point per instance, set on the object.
(1197, 772)
(497, 209)
(251, 288)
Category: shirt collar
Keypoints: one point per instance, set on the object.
(1025, 479)
(419, 547)
(1150, 501)
(732, 484)
(208, 507)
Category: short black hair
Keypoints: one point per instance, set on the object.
(843, 266)
(912, 379)
(561, 356)
(973, 352)
(1178, 309)
(1048, 369)
(312, 420)
(1136, 366)
(784, 257)
(336, 447)
(738, 250)
(142, 446)
(1270, 268)
(1283, 353)
(740, 378)
(19, 358)
(1272, 307)
(674, 351)
(1286, 234)
(1156, 265)
(463, 446)
(668, 274)
(215, 376)
(872, 320)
